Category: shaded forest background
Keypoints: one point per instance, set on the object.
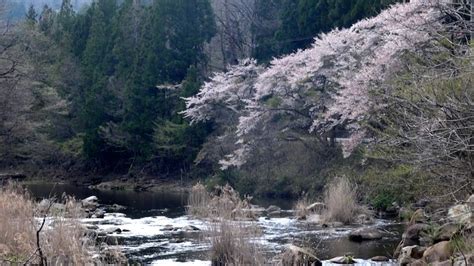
(99, 87)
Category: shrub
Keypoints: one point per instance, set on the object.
(341, 201)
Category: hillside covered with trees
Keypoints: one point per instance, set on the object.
(165, 89)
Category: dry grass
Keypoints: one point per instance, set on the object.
(63, 240)
(301, 207)
(231, 236)
(198, 201)
(223, 202)
(340, 198)
(233, 243)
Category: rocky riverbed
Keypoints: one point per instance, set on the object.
(154, 229)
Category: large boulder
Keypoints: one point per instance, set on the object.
(273, 208)
(90, 203)
(460, 214)
(413, 233)
(439, 252)
(343, 260)
(294, 255)
(410, 254)
(363, 234)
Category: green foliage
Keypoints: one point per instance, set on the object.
(73, 146)
(383, 199)
(302, 20)
(274, 101)
(124, 50)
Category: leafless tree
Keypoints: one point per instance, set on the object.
(428, 119)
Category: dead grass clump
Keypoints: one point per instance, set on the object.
(234, 243)
(301, 207)
(222, 202)
(198, 201)
(62, 239)
(232, 237)
(340, 198)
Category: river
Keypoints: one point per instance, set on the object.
(155, 228)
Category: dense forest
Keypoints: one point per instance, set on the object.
(111, 89)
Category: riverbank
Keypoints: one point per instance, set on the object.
(112, 184)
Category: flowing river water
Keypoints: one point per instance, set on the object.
(156, 230)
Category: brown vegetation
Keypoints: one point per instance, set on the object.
(45, 233)
(224, 202)
(340, 198)
(231, 236)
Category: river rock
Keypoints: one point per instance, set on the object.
(380, 259)
(316, 207)
(413, 233)
(111, 240)
(343, 260)
(410, 254)
(190, 228)
(364, 219)
(115, 208)
(363, 234)
(333, 224)
(92, 226)
(295, 255)
(438, 252)
(99, 213)
(274, 214)
(90, 203)
(168, 227)
(113, 230)
(460, 214)
(273, 208)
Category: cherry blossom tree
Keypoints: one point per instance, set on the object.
(318, 89)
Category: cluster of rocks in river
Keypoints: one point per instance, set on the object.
(94, 210)
(433, 236)
(439, 236)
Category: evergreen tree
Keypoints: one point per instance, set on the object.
(31, 15)
(46, 20)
